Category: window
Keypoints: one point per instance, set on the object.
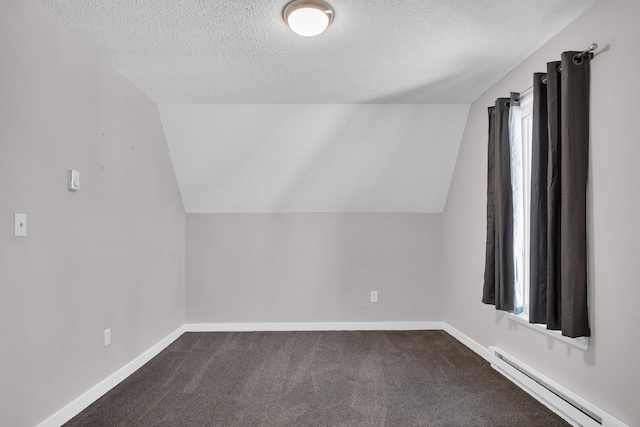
(523, 194)
(536, 249)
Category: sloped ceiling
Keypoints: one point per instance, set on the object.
(198, 59)
(314, 158)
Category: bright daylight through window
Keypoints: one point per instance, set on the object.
(522, 198)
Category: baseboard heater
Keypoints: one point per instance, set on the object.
(563, 402)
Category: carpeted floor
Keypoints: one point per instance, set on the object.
(373, 378)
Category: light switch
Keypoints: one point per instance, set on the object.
(73, 183)
(20, 227)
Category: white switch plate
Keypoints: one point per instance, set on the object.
(107, 337)
(374, 296)
(73, 181)
(20, 225)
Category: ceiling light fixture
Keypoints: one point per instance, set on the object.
(308, 17)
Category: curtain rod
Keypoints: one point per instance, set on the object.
(592, 47)
(578, 57)
(525, 92)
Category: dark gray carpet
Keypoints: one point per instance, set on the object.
(390, 378)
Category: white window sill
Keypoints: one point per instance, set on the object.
(581, 342)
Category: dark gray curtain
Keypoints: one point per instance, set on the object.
(554, 290)
(499, 275)
(558, 281)
(538, 231)
(489, 289)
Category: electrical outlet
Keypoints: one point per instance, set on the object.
(374, 296)
(107, 337)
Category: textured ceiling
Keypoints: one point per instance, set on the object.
(375, 51)
(201, 59)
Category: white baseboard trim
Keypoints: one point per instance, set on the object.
(473, 345)
(93, 394)
(96, 392)
(313, 326)
(86, 399)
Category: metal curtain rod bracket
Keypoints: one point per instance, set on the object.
(592, 47)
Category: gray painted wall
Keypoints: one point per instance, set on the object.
(608, 374)
(113, 254)
(313, 267)
(110, 255)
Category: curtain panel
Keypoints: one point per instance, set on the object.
(559, 171)
(499, 288)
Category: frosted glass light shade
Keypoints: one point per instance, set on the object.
(308, 17)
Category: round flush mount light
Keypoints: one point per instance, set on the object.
(308, 17)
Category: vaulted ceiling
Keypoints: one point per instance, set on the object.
(277, 152)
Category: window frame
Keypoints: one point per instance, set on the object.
(526, 111)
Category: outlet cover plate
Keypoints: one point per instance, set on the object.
(20, 225)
